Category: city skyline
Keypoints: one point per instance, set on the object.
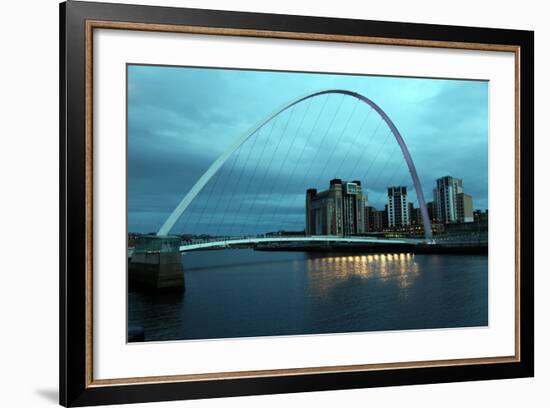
(175, 132)
(343, 209)
(411, 219)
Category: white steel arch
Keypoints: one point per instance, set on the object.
(203, 180)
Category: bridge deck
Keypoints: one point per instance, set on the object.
(257, 240)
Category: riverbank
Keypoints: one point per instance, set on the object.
(445, 248)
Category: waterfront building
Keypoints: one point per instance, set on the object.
(397, 209)
(431, 211)
(337, 211)
(369, 219)
(374, 219)
(437, 226)
(415, 215)
(451, 204)
(465, 208)
(380, 220)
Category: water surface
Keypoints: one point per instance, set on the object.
(244, 293)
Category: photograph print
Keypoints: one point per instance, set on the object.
(275, 203)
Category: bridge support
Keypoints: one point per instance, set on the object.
(156, 264)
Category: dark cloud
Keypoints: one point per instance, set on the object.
(181, 119)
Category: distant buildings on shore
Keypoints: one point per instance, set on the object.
(398, 209)
(452, 204)
(339, 211)
(343, 209)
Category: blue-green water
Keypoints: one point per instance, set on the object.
(245, 293)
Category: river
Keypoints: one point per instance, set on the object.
(245, 293)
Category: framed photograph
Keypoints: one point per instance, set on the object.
(256, 203)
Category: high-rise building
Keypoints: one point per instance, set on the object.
(337, 211)
(451, 204)
(398, 210)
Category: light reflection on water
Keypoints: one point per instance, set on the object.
(400, 267)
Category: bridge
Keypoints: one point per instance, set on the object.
(199, 185)
(167, 269)
(228, 243)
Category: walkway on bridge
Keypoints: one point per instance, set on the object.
(227, 243)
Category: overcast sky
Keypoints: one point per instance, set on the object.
(180, 120)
